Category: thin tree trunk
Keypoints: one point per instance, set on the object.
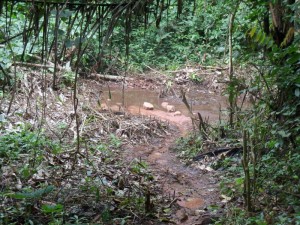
(231, 100)
(247, 194)
(54, 85)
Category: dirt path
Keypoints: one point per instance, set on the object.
(194, 189)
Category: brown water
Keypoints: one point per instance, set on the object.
(208, 104)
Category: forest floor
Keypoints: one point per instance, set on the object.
(193, 187)
(125, 157)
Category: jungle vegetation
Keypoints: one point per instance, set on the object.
(114, 37)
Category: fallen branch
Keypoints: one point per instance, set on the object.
(200, 69)
(156, 71)
(49, 63)
(230, 152)
(213, 67)
(36, 65)
(111, 77)
(184, 71)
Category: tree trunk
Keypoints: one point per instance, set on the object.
(1, 6)
(231, 91)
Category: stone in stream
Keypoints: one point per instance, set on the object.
(170, 108)
(177, 113)
(148, 106)
(164, 105)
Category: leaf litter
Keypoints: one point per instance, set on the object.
(96, 184)
(93, 185)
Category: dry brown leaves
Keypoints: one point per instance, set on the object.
(94, 184)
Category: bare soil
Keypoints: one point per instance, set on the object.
(193, 192)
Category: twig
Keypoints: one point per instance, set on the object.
(111, 77)
(172, 202)
(156, 71)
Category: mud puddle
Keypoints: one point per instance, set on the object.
(193, 190)
(208, 104)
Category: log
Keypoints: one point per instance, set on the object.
(230, 152)
(111, 77)
(201, 69)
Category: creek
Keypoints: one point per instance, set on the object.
(194, 190)
(205, 102)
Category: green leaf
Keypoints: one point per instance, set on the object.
(262, 39)
(297, 92)
(66, 14)
(52, 208)
(2, 118)
(252, 32)
(295, 58)
(239, 181)
(69, 43)
(61, 32)
(258, 36)
(220, 49)
(283, 134)
(35, 194)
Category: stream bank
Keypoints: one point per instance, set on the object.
(113, 145)
(194, 192)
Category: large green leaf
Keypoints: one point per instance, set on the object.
(34, 194)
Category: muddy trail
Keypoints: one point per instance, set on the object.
(116, 136)
(193, 192)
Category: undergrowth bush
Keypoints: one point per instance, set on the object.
(189, 146)
(24, 141)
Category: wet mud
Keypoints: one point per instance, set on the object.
(192, 189)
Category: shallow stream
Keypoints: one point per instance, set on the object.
(208, 104)
(193, 189)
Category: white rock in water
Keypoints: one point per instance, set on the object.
(148, 106)
(170, 108)
(177, 113)
(164, 105)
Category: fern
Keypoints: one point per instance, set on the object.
(261, 38)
